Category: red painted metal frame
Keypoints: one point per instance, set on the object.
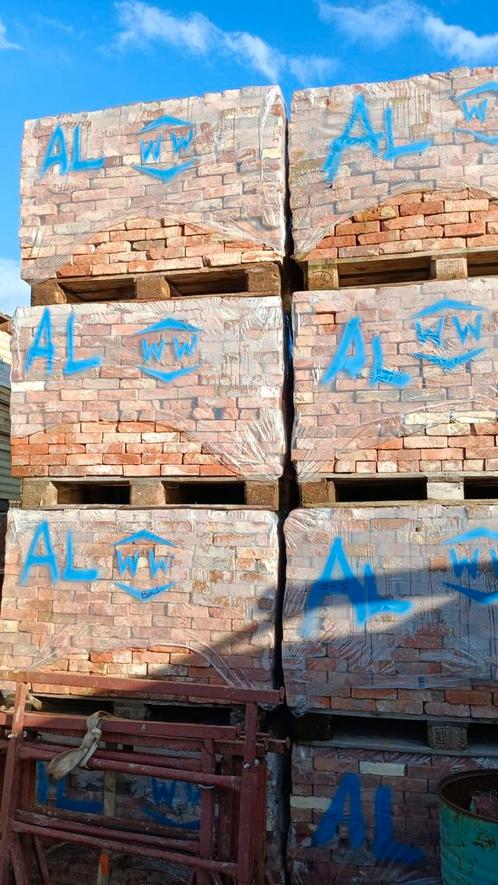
(230, 769)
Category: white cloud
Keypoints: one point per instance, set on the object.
(255, 53)
(13, 291)
(459, 43)
(380, 24)
(311, 68)
(4, 43)
(143, 25)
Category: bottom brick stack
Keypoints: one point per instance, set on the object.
(182, 593)
(368, 816)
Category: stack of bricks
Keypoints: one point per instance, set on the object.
(392, 829)
(406, 143)
(389, 607)
(182, 593)
(378, 618)
(146, 387)
(396, 381)
(159, 244)
(429, 221)
(155, 186)
(179, 388)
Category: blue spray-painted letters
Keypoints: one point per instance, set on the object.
(469, 563)
(440, 346)
(476, 108)
(43, 348)
(41, 554)
(360, 118)
(57, 154)
(180, 133)
(350, 358)
(385, 846)
(154, 564)
(364, 597)
(154, 352)
(61, 797)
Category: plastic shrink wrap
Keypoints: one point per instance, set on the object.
(351, 147)
(391, 597)
(369, 817)
(183, 593)
(396, 379)
(177, 388)
(155, 186)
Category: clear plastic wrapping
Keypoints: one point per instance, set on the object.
(179, 387)
(401, 379)
(369, 816)
(399, 597)
(183, 593)
(351, 147)
(217, 160)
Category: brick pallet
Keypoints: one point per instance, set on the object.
(382, 616)
(395, 380)
(155, 187)
(369, 815)
(355, 148)
(167, 593)
(174, 389)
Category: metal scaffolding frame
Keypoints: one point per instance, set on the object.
(228, 763)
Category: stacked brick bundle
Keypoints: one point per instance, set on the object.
(177, 388)
(352, 148)
(383, 613)
(155, 186)
(396, 380)
(389, 608)
(430, 221)
(160, 244)
(176, 592)
(368, 816)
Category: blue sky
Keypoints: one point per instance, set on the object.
(63, 56)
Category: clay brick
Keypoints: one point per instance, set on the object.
(120, 404)
(424, 208)
(432, 418)
(206, 195)
(93, 614)
(404, 556)
(331, 181)
(318, 774)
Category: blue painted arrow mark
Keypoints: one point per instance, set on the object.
(165, 174)
(446, 304)
(143, 535)
(449, 362)
(169, 376)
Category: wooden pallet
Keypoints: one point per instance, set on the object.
(350, 730)
(154, 492)
(385, 270)
(444, 488)
(263, 278)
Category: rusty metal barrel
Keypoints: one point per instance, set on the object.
(469, 836)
